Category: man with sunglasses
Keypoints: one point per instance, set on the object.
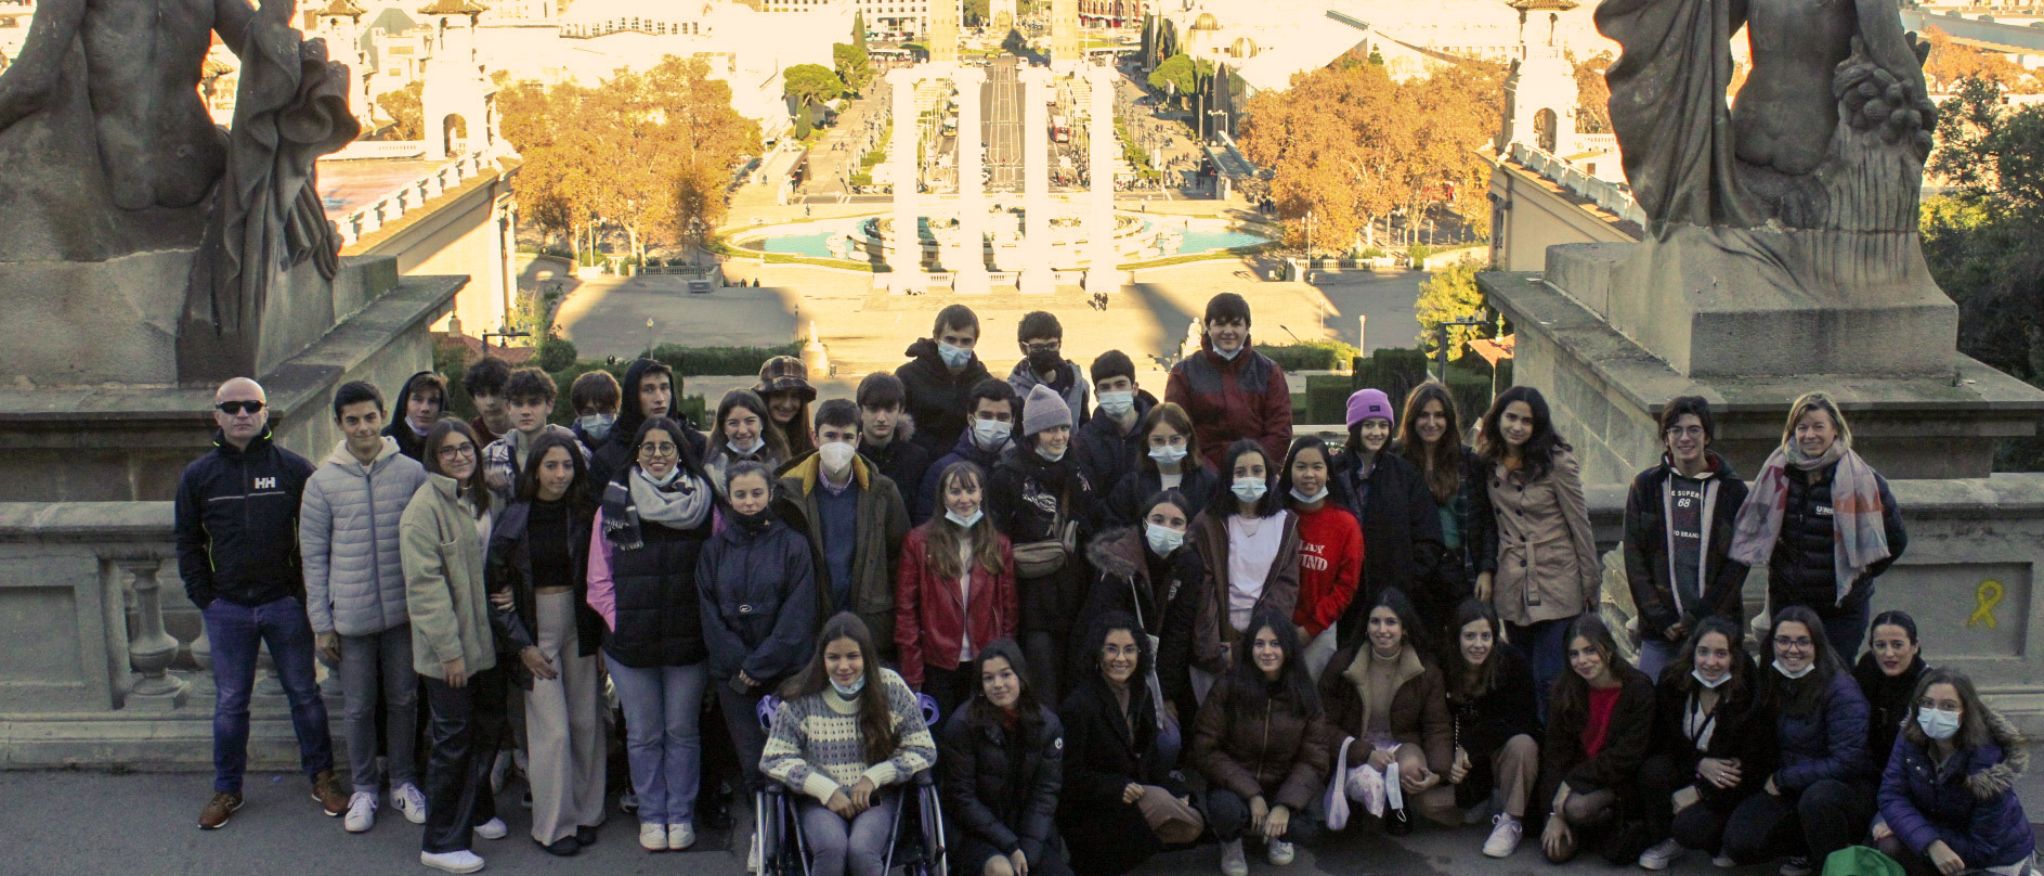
(237, 550)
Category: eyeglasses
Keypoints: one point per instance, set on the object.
(662, 449)
(457, 451)
(1786, 642)
(232, 408)
(1051, 347)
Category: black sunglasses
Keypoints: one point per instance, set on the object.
(231, 408)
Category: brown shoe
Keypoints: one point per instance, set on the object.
(218, 810)
(328, 793)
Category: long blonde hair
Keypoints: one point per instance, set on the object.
(943, 535)
(1815, 401)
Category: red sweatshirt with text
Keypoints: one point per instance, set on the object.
(1330, 565)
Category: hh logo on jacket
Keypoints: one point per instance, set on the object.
(265, 483)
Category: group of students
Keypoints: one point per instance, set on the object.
(1141, 622)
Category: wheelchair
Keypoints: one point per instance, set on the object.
(920, 851)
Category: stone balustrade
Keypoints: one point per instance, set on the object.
(410, 196)
(1607, 195)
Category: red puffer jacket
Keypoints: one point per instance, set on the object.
(929, 612)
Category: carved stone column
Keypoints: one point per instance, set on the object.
(1038, 274)
(150, 649)
(969, 276)
(906, 261)
(1101, 273)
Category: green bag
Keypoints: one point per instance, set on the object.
(1861, 861)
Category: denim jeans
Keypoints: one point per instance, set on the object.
(1655, 653)
(849, 848)
(237, 631)
(378, 668)
(663, 708)
(1545, 648)
(468, 728)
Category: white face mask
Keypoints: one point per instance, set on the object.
(1249, 489)
(1785, 673)
(1050, 455)
(1118, 403)
(596, 426)
(1707, 683)
(1937, 723)
(954, 357)
(964, 521)
(757, 443)
(1167, 454)
(849, 691)
(836, 456)
(991, 434)
(1302, 497)
(1163, 539)
(1228, 354)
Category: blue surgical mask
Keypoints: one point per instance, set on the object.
(1937, 723)
(1118, 403)
(954, 357)
(964, 521)
(1168, 454)
(991, 434)
(1249, 489)
(1228, 354)
(849, 691)
(596, 426)
(1305, 499)
(1163, 539)
(1050, 455)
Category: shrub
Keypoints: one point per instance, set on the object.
(1309, 356)
(697, 361)
(555, 354)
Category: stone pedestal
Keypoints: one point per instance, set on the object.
(969, 270)
(1038, 277)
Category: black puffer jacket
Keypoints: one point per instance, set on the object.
(1801, 570)
(1124, 504)
(659, 612)
(936, 397)
(1161, 591)
(1401, 534)
(1106, 455)
(903, 461)
(1001, 786)
(758, 591)
(1027, 498)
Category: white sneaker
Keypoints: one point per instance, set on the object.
(1796, 866)
(1723, 862)
(406, 798)
(1660, 855)
(752, 854)
(458, 861)
(1232, 861)
(1505, 832)
(361, 812)
(492, 829)
(653, 837)
(680, 836)
(1281, 853)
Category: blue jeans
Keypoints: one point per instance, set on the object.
(663, 708)
(1547, 649)
(1655, 653)
(236, 632)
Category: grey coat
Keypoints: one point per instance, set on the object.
(347, 536)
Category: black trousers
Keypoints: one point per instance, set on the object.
(1701, 826)
(1827, 816)
(951, 688)
(468, 726)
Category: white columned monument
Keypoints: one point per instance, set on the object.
(1101, 273)
(1037, 276)
(969, 269)
(906, 262)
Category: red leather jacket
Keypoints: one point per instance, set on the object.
(928, 614)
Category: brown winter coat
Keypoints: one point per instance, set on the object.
(1547, 555)
(1419, 710)
(1210, 627)
(1269, 749)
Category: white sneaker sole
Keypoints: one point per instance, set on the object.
(427, 859)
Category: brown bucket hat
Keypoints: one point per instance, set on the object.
(784, 374)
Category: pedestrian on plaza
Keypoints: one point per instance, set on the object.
(1170, 461)
(740, 434)
(1038, 498)
(1230, 390)
(537, 569)
(1887, 675)
(1490, 698)
(235, 512)
(1331, 551)
(1678, 535)
(1120, 804)
(1149, 572)
(1713, 744)
(955, 593)
(1602, 729)
(887, 434)
(1548, 570)
(454, 648)
(855, 519)
(1249, 548)
(1430, 437)
(421, 402)
(1109, 444)
(1823, 521)
(1821, 794)
(595, 397)
(355, 597)
(1948, 802)
(484, 383)
(528, 399)
(1041, 339)
(1400, 522)
(847, 729)
(784, 386)
(650, 390)
(940, 376)
(643, 548)
(1001, 763)
(992, 410)
(1261, 742)
(1388, 723)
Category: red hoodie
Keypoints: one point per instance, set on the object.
(1330, 565)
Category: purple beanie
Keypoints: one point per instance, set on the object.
(1367, 403)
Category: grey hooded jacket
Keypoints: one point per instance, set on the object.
(347, 534)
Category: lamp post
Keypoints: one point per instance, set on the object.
(1441, 345)
(503, 333)
(649, 337)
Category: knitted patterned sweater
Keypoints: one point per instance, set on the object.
(814, 745)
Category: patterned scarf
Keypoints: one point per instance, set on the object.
(1859, 538)
(680, 503)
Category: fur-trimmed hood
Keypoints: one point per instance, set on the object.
(1119, 552)
(2015, 759)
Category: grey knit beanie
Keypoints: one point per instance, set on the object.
(1044, 409)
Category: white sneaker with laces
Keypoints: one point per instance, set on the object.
(407, 798)
(1281, 852)
(680, 836)
(1505, 832)
(653, 837)
(1233, 863)
(1661, 855)
(361, 812)
(493, 829)
(458, 861)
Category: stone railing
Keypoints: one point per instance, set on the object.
(379, 149)
(411, 196)
(1610, 196)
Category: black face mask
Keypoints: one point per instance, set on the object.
(1044, 361)
(754, 523)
